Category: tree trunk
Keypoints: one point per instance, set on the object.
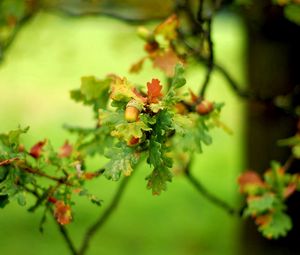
(273, 69)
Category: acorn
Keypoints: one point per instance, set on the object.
(132, 111)
(204, 107)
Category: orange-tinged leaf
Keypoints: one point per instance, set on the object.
(166, 61)
(36, 150)
(289, 190)
(168, 28)
(194, 97)
(250, 178)
(65, 150)
(89, 175)
(122, 90)
(62, 213)
(136, 67)
(263, 219)
(154, 91)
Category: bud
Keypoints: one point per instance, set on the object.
(204, 107)
(144, 33)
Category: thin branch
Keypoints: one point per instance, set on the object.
(66, 236)
(62, 229)
(104, 217)
(212, 198)
(210, 62)
(200, 12)
(287, 165)
(42, 174)
(106, 13)
(6, 45)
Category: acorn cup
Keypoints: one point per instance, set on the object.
(133, 141)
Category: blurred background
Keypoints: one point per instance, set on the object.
(45, 61)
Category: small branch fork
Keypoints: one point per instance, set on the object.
(95, 227)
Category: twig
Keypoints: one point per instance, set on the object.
(288, 163)
(67, 238)
(6, 45)
(212, 198)
(210, 62)
(106, 13)
(62, 229)
(200, 12)
(103, 218)
(42, 174)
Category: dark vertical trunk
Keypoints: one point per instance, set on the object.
(273, 69)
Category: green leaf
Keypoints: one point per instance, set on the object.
(260, 204)
(11, 140)
(126, 130)
(178, 80)
(110, 118)
(195, 135)
(21, 199)
(292, 12)
(92, 88)
(92, 92)
(157, 180)
(296, 151)
(292, 141)
(122, 160)
(278, 226)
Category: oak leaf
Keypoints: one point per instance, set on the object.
(166, 61)
(154, 91)
(62, 213)
(65, 150)
(36, 150)
(249, 178)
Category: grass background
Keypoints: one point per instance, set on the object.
(46, 61)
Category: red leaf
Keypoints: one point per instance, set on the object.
(154, 91)
(52, 200)
(65, 150)
(36, 150)
(249, 178)
(62, 212)
(89, 175)
(166, 61)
